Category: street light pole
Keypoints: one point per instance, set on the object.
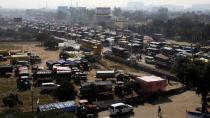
(32, 101)
(32, 97)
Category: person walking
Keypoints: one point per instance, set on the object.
(159, 111)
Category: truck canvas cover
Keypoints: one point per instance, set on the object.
(68, 106)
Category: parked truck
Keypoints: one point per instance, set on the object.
(6, 69)
(4, 52)
(35, 59)
(42, 76)
(96, 88)
(120, 52)
(3, 58)
(86, 109)
(68, 106)
(50, 64)
(105, 74)
(22, 57)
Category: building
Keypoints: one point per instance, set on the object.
(121, 23)
(63, 9)
(18, 19)
(103, 16)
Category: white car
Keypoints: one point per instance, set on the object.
(49, 86)
(120, 108)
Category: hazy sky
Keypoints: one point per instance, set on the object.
(91, 3)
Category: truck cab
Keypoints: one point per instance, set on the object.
(3, 58)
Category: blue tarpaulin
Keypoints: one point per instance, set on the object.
(72, 63)
(69, 106)
(61, 61)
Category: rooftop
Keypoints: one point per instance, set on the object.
(150, 78)
(117, 104)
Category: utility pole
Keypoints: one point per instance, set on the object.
(32, 101)
(32, 97)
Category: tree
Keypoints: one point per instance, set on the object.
(195, 74)
(51, 43)
(128, 87)
(203, 86)
(179, 68)
(47, 40)
(43, 37)
(66, 91)
(11, 100)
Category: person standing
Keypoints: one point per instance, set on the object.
(159, 111)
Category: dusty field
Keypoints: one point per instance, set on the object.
(172, 107)
(9, 84)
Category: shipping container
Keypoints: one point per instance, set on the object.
(151, 84)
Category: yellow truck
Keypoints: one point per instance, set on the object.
(14, 58)
(4, 52)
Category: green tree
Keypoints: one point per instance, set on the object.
(128, 87)
(51, 43)
(43, 37)
(195, 74)
(11, 100)
(203, 86)
(179, 68)
(66, 91)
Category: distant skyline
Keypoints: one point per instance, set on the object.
(33, 4)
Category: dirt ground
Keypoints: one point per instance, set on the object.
(8, 84)
(173, 107)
